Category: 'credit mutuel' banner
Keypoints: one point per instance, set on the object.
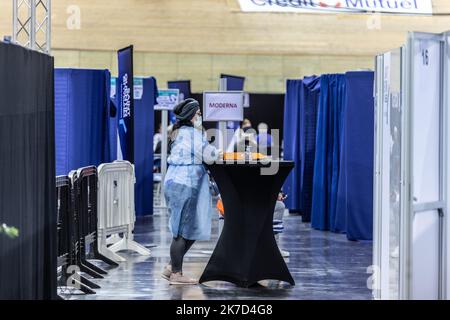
(355, 6)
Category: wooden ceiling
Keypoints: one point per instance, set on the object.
(218, 26)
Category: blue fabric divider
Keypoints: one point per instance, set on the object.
(327, 157)
(82, 107)
(234, 83)
(143, 147)
(355, 205)
(309, 106)
(183, 85)
(328, 124)
(291, 138)
(185, 92)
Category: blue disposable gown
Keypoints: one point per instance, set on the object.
(186, 185)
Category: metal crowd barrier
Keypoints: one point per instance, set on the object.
(82, 232)
(77, 240)
(85, 190)
(67, 240)
(63, 221)
(116, 210)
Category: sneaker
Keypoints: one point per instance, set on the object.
(179, 278)
(285, 254)
(167, 272)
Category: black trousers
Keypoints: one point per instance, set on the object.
(178, 249)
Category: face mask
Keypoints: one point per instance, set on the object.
(198, 122)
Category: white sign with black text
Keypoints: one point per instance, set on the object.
(167, 99)
(223, 106)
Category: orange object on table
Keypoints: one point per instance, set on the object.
(220, 207)
(241, 156)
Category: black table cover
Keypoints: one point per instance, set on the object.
(247, 251)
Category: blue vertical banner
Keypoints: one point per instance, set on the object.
(113, 120)
(146, 92)
(185, 92)
(126, 103)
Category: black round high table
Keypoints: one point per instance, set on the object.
(246, 251)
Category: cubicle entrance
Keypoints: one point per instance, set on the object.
(425, 160)
(411, 170)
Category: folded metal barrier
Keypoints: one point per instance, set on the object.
(116, 210)
(67, 263)
(86, 189)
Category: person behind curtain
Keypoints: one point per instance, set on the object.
(157, 139)
(278, 226)
(186, 187)
(264, 139)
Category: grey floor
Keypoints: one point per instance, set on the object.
(324, 265)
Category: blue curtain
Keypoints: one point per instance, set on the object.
(327, 156)
(308, 107)
(234, 83)
(183, 85)
(82, 110)
(328, 132)
(143, 147)
(291, 142)
(355, 205)
(185, 89)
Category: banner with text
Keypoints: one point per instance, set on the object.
(167, 99)
(126, 103)
(411, 7)
(138, 88)
(223, 106)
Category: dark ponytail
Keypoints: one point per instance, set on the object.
(175, 128)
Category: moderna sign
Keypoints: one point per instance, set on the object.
(412, 7)
(223, 106)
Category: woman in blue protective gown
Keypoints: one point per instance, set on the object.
(186, 187)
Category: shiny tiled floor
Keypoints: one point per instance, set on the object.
(324, 266)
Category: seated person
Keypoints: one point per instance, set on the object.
(243, 137)
(278, 221)
(264, 139)
(157, 138)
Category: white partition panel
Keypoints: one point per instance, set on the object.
(426, 119)
(446, 177)
(377, 188)
(425, 106)
(412, 170)
(425, 256)
(396, 192)
(387, 188)
(385, 176)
